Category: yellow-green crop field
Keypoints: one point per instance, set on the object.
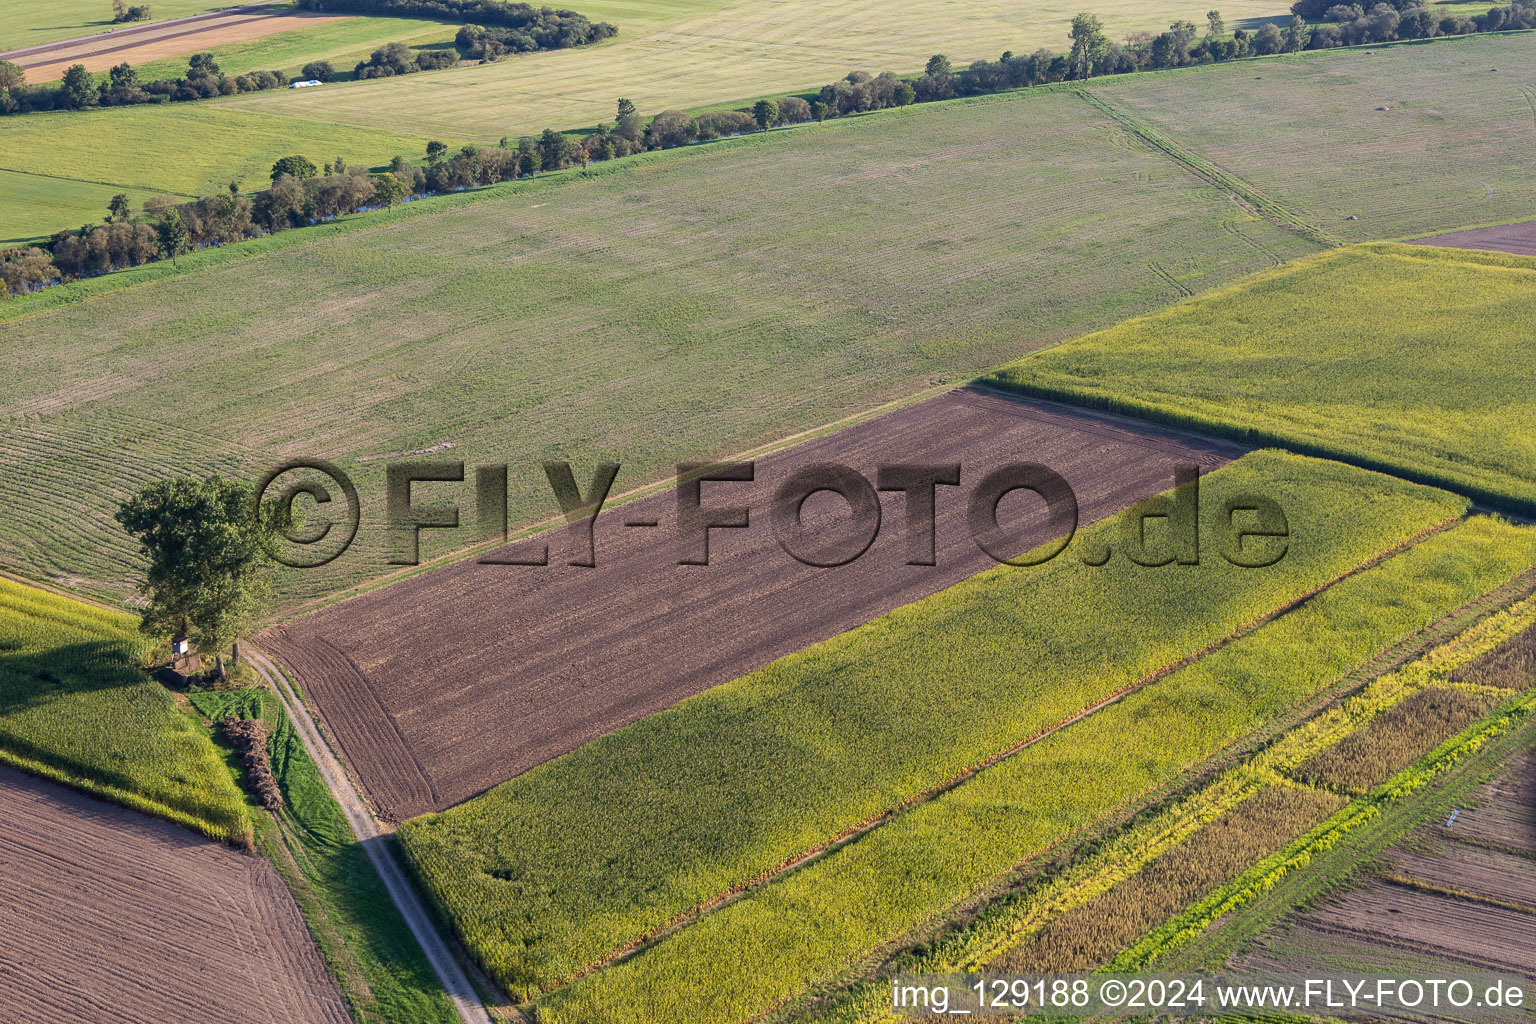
(76, 707)
(675, 306)
(807, 927)
(1415, 360)
(754, 773)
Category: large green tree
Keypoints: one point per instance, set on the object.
(208, 573)
(1089, 43)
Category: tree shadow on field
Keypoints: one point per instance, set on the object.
(35, 679)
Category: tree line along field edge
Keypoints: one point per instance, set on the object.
(566, 261)
(810, 926)
(503, 848)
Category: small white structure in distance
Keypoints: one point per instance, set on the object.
(305, 85)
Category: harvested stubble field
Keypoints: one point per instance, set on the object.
(112, 916)
(139, 45)
(1417, 361)
(688, 53)
(1452, 149)
(749, 775)
(480, 681)
(76, 707)
(806, 927)
(685, 306)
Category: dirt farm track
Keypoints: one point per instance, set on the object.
(112, 917)
(448, 683)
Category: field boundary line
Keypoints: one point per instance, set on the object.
(856, 831)
(1203, 168)
(444, 964)
(133, 29)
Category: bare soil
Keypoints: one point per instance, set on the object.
(158, 42)
(112, 917)
(445, 684)
(1516, 238)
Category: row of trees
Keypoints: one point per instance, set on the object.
(500, 28)
(120, 86)
(512, 27)
(302, 193)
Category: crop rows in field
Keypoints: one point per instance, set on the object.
(1451, 149)
(750, 793)
(1105, 894)
(1395, 738)
(1402, 384)
(424, 733)
(812, 924)
(1085, 938)
(76, 707)
(109, 915)
(685, 306)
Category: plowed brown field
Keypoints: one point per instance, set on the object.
(451, 682)
(1517, 238)
(111, 917)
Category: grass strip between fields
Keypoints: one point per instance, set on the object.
(76, 708)
(824, 919)
(552, 872)
(366, 944)
(1431, 376)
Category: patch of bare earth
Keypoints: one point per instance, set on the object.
(112, 917)
(448, 683)
(1516, 238)
(174, 39)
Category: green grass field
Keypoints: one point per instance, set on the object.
(548, 873)
(669, 53)
(38, 206)
(803, 930)
(1453, 149)
(686, 304)
(366, 943)
(76, 707)
(1411, 359)
(343, 43)
(34, 22)
(79, 160)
